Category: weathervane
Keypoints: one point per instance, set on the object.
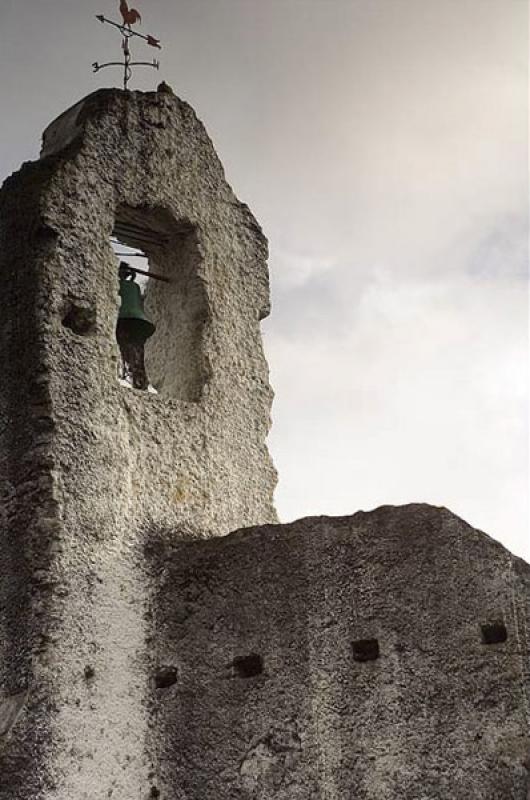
(130, 17)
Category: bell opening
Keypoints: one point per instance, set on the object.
(162, 308)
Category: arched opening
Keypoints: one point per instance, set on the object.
(158, 259)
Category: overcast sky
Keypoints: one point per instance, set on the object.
(383, 146)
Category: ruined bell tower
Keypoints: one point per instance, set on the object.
(148, 649)
(90, 467)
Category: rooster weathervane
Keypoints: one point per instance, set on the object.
(130, 17)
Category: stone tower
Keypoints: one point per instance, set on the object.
(146, 654)
(89, 469)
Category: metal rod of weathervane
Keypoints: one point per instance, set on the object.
(130, 17)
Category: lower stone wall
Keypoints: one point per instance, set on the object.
(373, 657)
(382, 655)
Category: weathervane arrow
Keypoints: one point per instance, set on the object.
(130, 33)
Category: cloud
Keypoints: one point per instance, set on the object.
(422, 397)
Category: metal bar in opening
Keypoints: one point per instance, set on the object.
(149, 274)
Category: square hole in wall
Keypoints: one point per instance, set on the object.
(365, 649)
(248, 666)
(494, 632)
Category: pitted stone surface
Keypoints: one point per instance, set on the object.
(89, 469)
(436, 715)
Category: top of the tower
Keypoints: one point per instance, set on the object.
(69, 125)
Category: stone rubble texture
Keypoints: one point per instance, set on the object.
(145, 653)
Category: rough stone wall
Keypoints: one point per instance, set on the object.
(143, 654)
(89, 469)
(344, 659)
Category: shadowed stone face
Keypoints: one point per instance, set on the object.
(346, 658)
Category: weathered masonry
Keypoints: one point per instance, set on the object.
(146, 649)
(90, 470)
